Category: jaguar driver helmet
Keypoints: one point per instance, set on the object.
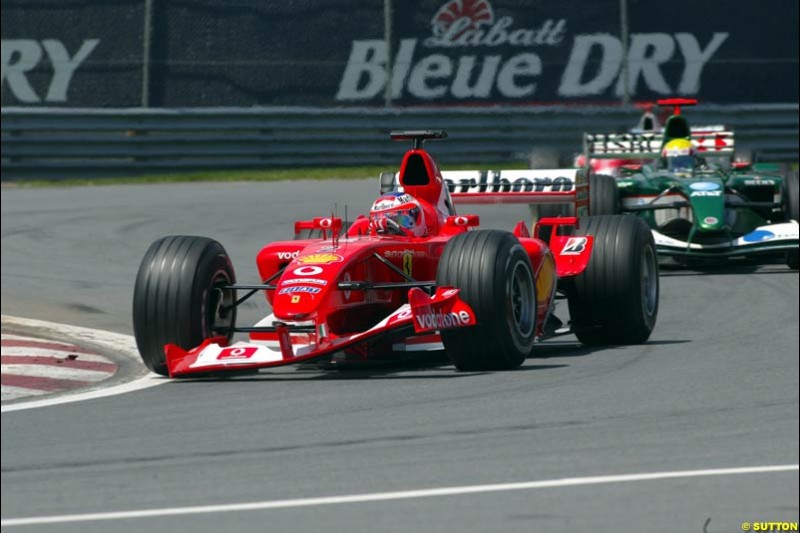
(680, 156)
(398, 213)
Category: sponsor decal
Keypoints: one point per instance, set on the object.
(398, 254)
(300, 289)
(393, 201)
(21, 56)
(501, 184)
(710, 220)
(320, 258)
(610, 143)
(295, 298)
(461, 221)
(706, 193)
(758, 235)
(759, 181)
(284, 256)
(304, 281)
(574, 246)
(404, 314)
(307, 271)
(237, 353)
(442, 320)
(408, 263)
(474, 53)
(704, 186)
(326, 223)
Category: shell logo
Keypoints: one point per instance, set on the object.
(320, 259)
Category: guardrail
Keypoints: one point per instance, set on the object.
(60, 142)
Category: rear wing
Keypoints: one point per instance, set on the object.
(647, 145)
(556, 186)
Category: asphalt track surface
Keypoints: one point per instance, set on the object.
(715, 388)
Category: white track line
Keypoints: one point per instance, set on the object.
(124, 345)
(386, 496)
(12, 393)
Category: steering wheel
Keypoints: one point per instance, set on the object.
(394, 227)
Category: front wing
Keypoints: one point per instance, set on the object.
(768, 239)
(423, 313)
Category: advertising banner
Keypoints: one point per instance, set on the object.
(441, 52)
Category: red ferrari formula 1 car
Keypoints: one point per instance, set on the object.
(416, 278)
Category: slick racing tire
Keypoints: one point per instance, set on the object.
(496, 280)
(603, 195)
(603, 200)
(792, 210)
(615, 300)
(177, 298)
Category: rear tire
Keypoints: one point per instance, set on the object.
(603, 195)
(603, 200)
(495, 276)
(175, 299)
(615, 300)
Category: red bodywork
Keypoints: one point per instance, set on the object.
(315, 312)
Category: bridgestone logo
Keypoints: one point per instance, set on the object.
(443, 320)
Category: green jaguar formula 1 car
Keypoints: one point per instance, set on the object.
(699, 202)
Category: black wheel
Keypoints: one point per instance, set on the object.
(494, 274)
(603, 195)
(792, 210)
(177, 298)
(603, 200)
(615, 300)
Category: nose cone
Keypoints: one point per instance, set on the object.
(305, 284)
(707, 197)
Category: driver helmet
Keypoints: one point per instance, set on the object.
(397, 213)
(680, 155)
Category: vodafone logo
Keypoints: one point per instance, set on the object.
(237, 353)
(325, 223)
(461, 221)
(443, 320)
(307, 271)
(283, 256)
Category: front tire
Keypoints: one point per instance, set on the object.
(495, 276)
(177, 299)
(615, 300)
